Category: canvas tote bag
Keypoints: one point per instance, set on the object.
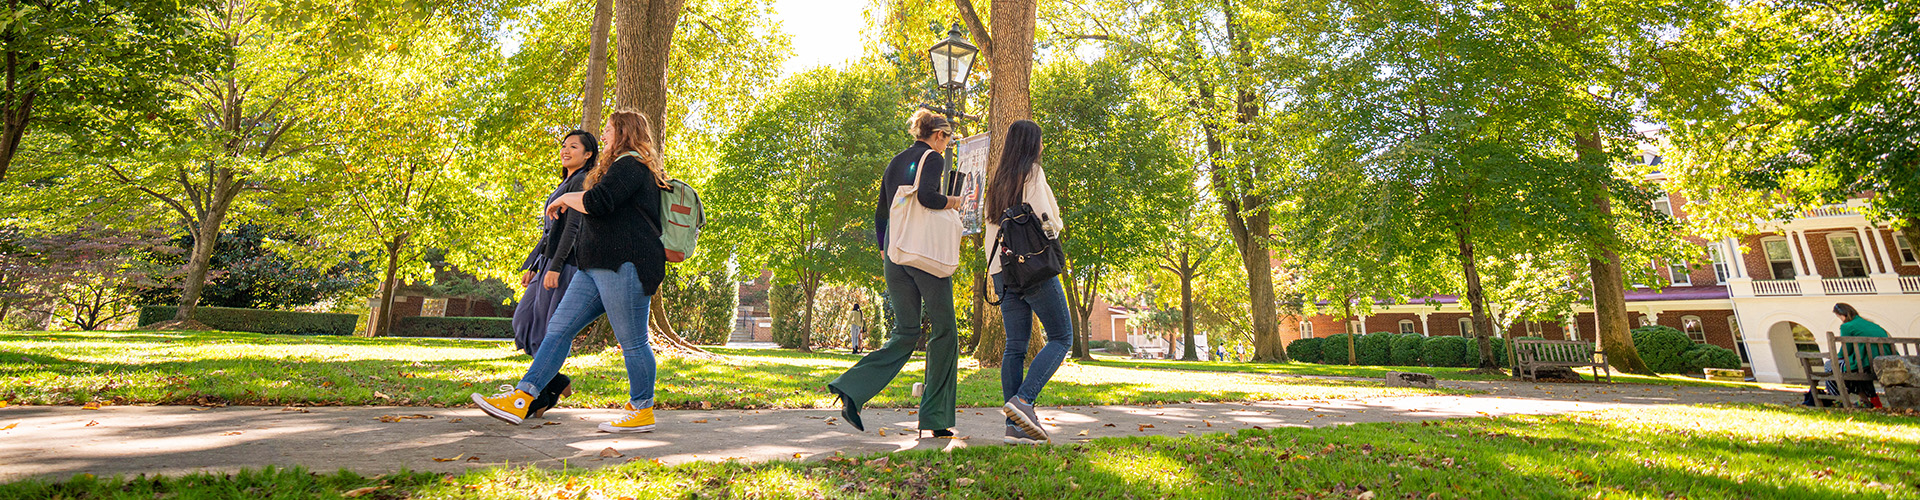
(921, 237)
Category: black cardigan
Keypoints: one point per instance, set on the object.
(555, 250)
(900, 172)
(621, 223)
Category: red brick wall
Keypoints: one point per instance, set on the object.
(1755, 256)
(1390, 322)
(1893, 253)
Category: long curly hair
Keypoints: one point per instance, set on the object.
(631, 131)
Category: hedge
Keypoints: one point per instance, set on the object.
(1119, 347)
(1333, 350)
(1447, 351)
(1703, 356)
(453, 327)
(1406, 349)
(235, 319)
(1376, 349)
(1096, 344)
(1305, 350)
(1663, 349)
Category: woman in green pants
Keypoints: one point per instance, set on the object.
(913, 292)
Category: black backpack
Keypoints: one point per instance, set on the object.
(1027, 256)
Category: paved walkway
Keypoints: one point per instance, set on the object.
(59, 441)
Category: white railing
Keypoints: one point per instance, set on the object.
(1910, 284)
(1776, 287)
(1847, 286)
(1830, 211)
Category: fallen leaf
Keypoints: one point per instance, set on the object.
(965, 481)
(473, 459)
(611, 453)
(356, 493)
(397, 418)
(438, 459)
(1144, 427)
(381, 395)
(1367, 495)
(1108, 425)
(17, 424)
(878, 462)
(90, 406)
(290, 408)
(551, 423)
(91, 423)
(1082, 433)
(457, 420)
(230, 433)
(796, 455)
(3, 404)
(196, 409)
(702, 421)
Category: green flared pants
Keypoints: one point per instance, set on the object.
(913, 293)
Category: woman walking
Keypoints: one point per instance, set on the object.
(621, 263)
(912, 291)
(1018, 181)
(550, 267)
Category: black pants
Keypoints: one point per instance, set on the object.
(550, 395)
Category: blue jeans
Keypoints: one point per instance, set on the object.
(619, 295)
(1049, 302)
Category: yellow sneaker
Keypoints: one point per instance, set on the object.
(510, 405)
(640, 420)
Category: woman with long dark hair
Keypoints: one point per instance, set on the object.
(550, 267)
(1019, 185)
(912, 292)
(1860, 357)
(622, 263)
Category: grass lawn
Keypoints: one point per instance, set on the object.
(253, 369)
(1444, 373)
(1673, 452)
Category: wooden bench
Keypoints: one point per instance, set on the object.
(1831, 366)
(1531, 355)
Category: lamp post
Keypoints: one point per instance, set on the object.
(952, 61)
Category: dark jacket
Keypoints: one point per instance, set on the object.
(622, 223)
(554, 251)
(900, 172)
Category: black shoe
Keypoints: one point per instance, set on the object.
(943, 433)
(849, 410)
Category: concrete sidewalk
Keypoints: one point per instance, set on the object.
(56, 442)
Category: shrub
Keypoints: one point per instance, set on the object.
(1376, 349)
(259, 320)
(453, 327)
(1406, 349)
(1703, 356)
(1096, 344)
(1305, 350)
(1333, 349)
(1118, 347)
(1447, 351)
(1502, 349)
(1663, 348)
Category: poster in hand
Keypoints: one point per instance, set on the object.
(971, 153)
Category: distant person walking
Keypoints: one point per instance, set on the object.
(1019, 194)
(856, 322)
(913, 291)
(622, 263)
(549, 268)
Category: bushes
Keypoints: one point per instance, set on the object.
(259, 320)
(1447, 351)
(1096, 344)
(453, 327)
(1333, 350)
(1703, 356)
(1406, 349)
(1305, 350)
(1663, 348)
(1376, 349)
(1118, 347)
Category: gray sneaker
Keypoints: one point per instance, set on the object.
(1017, 436)
(1021, 412)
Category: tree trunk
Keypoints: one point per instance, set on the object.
(206, 236)
(15, 117)
(1186, 309)
(1476, 294)
(978, 320)
(383, 319)
(1080, 301)
(662, 336)
(645, 40)
(593, 95)
(812, 283)
(1609, 287)
(1010, 92)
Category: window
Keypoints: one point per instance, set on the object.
(1661, 202)
(1356, 328)
(1681, 274)
(1466, 327)
(1721, 267)
(1847, 255)
(1739, 340)
(1306, 329)
(1695, 330)
(1646, 320)
(1572, 328)
(1906, 250)
(1779, 257)
(1406, 326)
(1533, 328)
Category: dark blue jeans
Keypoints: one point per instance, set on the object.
(1049, 302)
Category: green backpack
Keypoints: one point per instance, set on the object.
(682, 216)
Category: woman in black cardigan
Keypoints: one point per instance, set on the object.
(621, 265)
(550, 267)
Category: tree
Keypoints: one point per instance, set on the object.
(1114, 204)
(247, 271)
(646, 39)
(799, 177)
(91, 68)
(87, 278)
(1188, 249)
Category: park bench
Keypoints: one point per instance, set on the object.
(1532, 355)
(1831, 366)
